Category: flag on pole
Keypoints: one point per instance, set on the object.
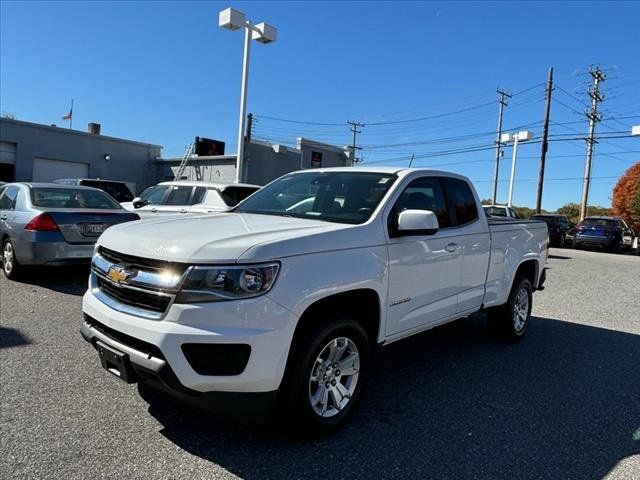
(69, 116)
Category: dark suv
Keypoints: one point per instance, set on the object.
(559, 228)
(118, 190)
(611, 233)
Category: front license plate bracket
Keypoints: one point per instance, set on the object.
(116, 362)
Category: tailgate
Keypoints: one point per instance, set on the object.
(85, 226)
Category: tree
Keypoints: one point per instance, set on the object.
(634, 208)
(572, 211)
(624, 194)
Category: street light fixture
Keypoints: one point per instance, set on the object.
(635, 131)
(262, 32)
(515, 138)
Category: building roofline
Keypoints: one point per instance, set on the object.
(76, 132)
(193, 158)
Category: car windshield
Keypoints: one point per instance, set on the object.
(343, 197)
(119, 191)
(72, 198)
(598, 222)
(496, 211)
(154, 195)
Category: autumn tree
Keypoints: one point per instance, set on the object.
(624, 195)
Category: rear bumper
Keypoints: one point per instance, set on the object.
(595, 241)
(51, 251)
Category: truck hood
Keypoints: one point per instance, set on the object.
(229, 237)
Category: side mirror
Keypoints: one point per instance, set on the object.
(417, 222)
(138, 202)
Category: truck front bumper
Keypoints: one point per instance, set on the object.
(156, 348)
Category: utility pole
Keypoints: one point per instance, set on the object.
(503, 103)
(355, 131)
(594, 117)
(545, 143)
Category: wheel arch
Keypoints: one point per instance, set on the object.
(528, 269)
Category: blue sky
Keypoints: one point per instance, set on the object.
(163, 72)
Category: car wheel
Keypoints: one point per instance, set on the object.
(510, 321)
(325, 377)
(10, 265)
(562, 241)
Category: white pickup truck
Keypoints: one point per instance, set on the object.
(280, 302)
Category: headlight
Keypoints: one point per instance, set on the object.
(215, 284)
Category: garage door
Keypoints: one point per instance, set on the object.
(46, 170)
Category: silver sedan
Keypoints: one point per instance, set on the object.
(50, 224)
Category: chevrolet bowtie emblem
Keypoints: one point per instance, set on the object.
(118, 274)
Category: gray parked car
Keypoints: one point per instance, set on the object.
(49, 224)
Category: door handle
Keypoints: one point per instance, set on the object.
(3, 217)
(183, 210)
(154, 210)
(451, 247)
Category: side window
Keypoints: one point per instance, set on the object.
(514, 214)
(179, 195)
(460, 200)
(198, 195)
(421, 194)
(8, 198)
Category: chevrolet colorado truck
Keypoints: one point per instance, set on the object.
(279, 304)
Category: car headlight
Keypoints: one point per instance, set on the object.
(215, 284)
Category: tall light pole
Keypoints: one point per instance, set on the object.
(234, 20)
(515, 138)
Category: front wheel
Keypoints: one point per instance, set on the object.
(326, 376)
(510, 321)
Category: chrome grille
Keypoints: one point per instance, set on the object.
(134, 285)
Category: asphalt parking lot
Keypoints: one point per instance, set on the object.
(451, 403)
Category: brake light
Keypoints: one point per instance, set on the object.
(42, 223)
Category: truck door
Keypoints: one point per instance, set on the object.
(472, 239)
(424, 270)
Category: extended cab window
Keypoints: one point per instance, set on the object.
(422, 194)
(460, 200)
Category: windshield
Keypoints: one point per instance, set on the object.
(343, 197)
(72, 198)
(154, 195)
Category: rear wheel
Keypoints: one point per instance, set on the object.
(510, 321)
(10, 265)
(325, 378)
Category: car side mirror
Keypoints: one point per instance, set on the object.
(138, 202)
(417, 222)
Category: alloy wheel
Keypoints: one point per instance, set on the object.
(520, 310)
(334, 377)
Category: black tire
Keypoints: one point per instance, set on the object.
(562, 243)
(502, 319)
(13, 269)
(295, 402)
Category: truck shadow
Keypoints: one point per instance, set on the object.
(453, 403)
(71, 280)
